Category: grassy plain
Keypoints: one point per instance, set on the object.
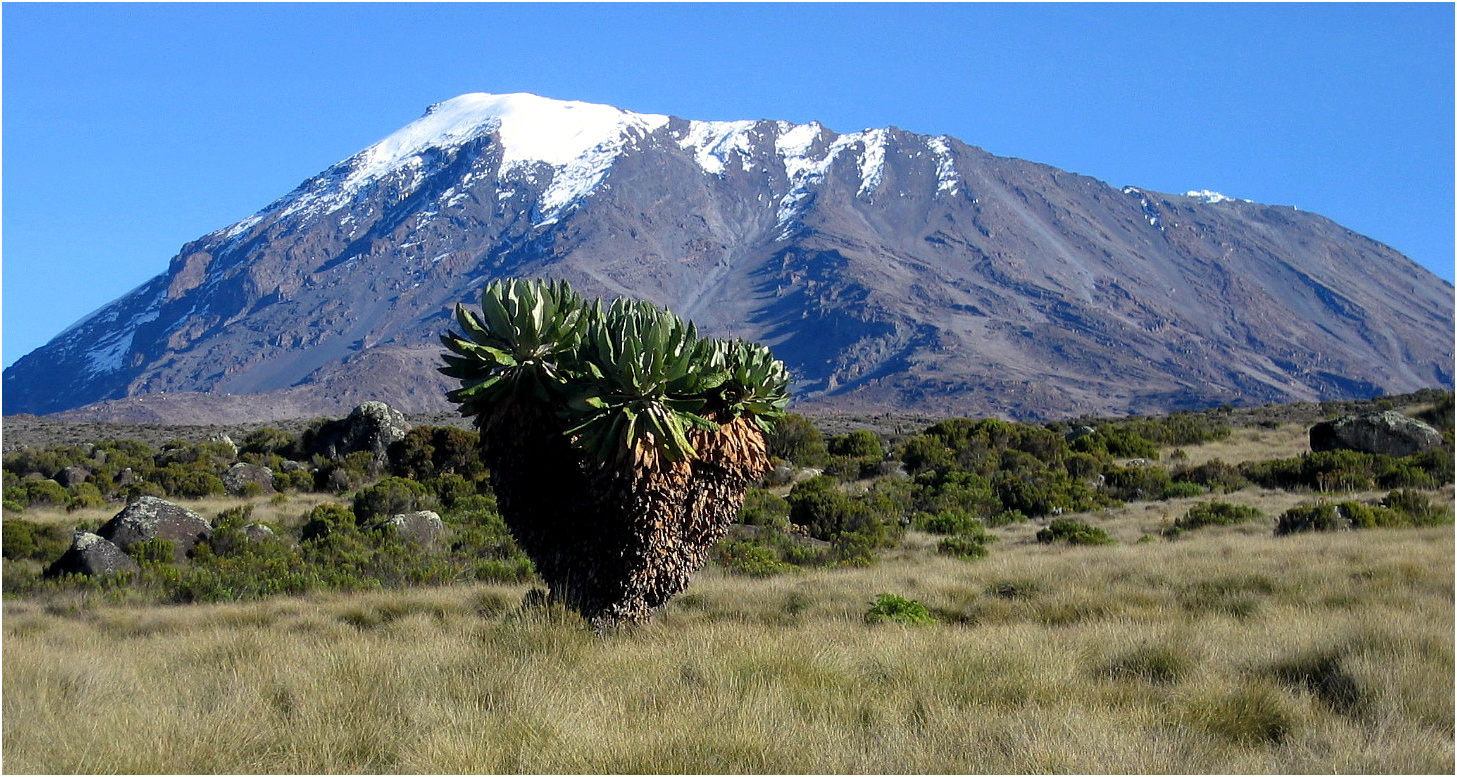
(1226, 650)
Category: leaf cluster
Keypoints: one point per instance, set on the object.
(627, 381)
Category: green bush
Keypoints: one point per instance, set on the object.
(1323, 516)
(747, 557)
(45, 493)
(860, 443)
(969, 548)
(1216, 514)
(392, 496)
(897, 609)
(764, 508)
(1074, 533)
(795, 438)
(22, 539)
(946, 522)
(1417, 508)
(326, 519)
(829, 514)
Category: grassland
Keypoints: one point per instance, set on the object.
(1226, 650)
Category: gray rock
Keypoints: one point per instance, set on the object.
(223, 438)
(1387, 432)
(238, 476)
(422, 526)
(92, 555)
(150, 518)
(372, 427)
(257, 532)
(72, 476)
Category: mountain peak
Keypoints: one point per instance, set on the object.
(891, 270)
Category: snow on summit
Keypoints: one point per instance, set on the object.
(581, 142)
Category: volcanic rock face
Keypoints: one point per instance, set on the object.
(889, 270)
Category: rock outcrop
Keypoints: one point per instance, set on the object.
(422, 526)
(151, 518)
(91, 555)
(240, 476)
(372, 426)
(1389, 433)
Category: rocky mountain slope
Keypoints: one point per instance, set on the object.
(889, 270)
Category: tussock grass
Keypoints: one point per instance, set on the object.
(1225, 651)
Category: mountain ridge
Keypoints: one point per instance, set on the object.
(888, 269)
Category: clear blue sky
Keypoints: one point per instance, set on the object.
(129, 130)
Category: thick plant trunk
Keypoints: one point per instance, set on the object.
(615, 541)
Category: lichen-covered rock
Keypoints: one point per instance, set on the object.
(150, 518)
(422, 526)
(91, 555)
(1388, 432)
(223, 439)
(372, 426)
(238, 476)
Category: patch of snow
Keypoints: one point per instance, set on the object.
(1150, 211)
(714, 141)
(1212, 197)
(946, 176)
(872, 161)
(110, 355)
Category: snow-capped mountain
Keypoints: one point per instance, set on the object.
(890, 270)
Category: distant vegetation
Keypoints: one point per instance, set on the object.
(833, 501)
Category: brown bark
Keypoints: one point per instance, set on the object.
(616, 541)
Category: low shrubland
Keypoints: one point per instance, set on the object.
(979, 596)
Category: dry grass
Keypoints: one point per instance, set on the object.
(1227, 651)
(1250, 443)
(269, 509)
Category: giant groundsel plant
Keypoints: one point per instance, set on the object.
(620, 441)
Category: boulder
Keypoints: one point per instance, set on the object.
(422, 526)
(150, 518)
(1388, 432)
(238, 476)
(257, 532)
(72, 476)
(91, 555)
(372, 427)
(226, 441)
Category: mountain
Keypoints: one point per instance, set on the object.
(889, 270)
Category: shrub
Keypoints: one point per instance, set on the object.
(860, 443)
(890, 607)
(969, 548)
(946, 522)
(324, 520)
(1137, 483)
(391, 496)
(747, 557)
(1214, 475)
(764, 508)
(157, 550)
(829, 514)
(1074, 533)
(1007, 518)
(1416, 507)
(45, 492)
(22, 539)
(1216, 514)
(796, 439)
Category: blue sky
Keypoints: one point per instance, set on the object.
(129, 130)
